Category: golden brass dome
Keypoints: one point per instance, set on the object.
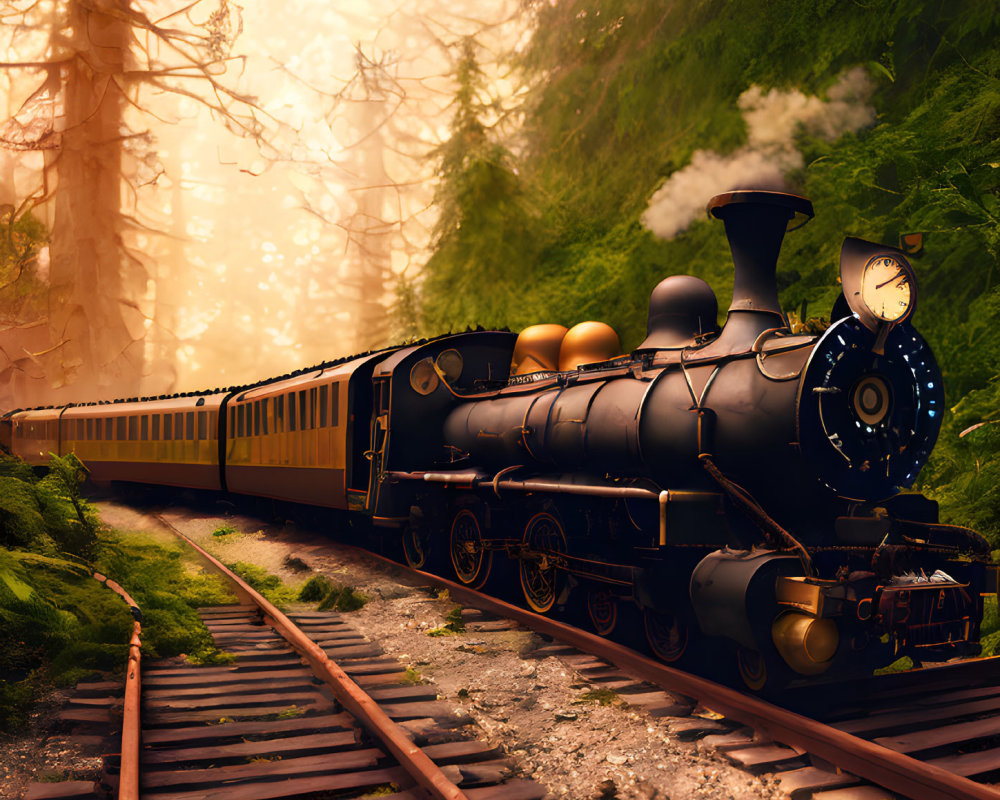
(588, 343)
(537, 349)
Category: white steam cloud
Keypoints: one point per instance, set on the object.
(772, 119)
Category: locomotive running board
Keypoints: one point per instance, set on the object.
(473, 480)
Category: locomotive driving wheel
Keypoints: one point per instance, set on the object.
(602, 608)
(666, 634)
(416, 546)
(543, 536)
(469, 556)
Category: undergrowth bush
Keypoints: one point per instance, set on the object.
(48, 514)
(342, 598)
(315, 589)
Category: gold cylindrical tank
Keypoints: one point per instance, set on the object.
(806, 643)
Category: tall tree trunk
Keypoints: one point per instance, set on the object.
(94, 352)
(371, 236)
(162, 343)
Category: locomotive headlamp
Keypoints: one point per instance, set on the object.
(872, 399)
(879, 284)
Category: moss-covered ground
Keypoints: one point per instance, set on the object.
(57, 623)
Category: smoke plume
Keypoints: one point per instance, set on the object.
(772, 119)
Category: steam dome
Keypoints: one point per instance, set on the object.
(681, 308)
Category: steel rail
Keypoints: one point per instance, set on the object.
(352, 697)
(128, 780)
(880, 765)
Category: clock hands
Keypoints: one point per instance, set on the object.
(893, 278)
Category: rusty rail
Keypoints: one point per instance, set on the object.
(128, 786)
(352, 697)
(860, 757)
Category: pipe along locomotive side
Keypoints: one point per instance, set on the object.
(741, 487)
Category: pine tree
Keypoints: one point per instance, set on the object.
(478, 271)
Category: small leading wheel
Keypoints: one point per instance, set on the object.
(762, 673)
(602, 608)
(416, 546)
(469, 557)
(666, 633)
(539, 578)
(752, 667)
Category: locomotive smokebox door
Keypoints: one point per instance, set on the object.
(867, 421)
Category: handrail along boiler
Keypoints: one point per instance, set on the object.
(741, 486)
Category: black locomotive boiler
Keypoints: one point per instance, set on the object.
(741, 484)
(741, 487)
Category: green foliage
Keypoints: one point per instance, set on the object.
(224, 530)
(603, 697)
(342, 598)
(453, 624)
(412, 676)
(621, 94)
(315, 589)
(16, 701)
(56, 624)
(264, 582)
(59, 625)
(14, 467)
(899, 665)
(330, 596)
(485, 224)
(386, 790)
(21, 521)
(329, 600)
(989, 630)
(70, 520)
(47, 514)
(350, 599)
(22, 293)
(166, 588)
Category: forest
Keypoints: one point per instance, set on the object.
(886, 116)
(560, 172)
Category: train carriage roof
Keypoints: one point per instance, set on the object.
(305, 371)
(195, 402)
(273, 387)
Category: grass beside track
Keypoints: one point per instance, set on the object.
(57, 624)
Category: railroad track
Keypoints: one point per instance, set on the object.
(347, 721)
(922, 734)
(265, 727)
(309, 708)
(280, 732)
(946, 716)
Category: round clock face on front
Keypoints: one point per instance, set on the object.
(885, 288)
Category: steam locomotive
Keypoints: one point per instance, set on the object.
(741, 486)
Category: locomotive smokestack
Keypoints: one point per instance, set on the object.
(755, 222)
